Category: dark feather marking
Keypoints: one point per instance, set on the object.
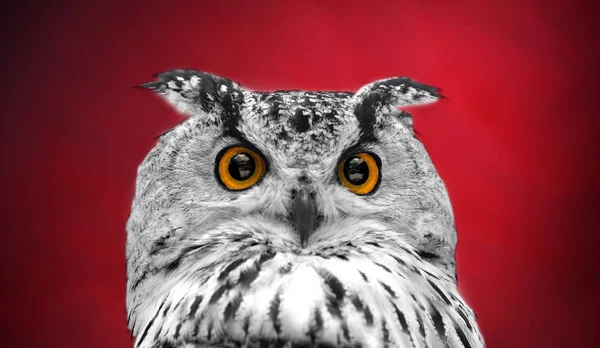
(345, 331)
(357, 302)
(301, 121)
(278, 343)
(364, 276)
(431, 274)
(439, 291)
(218, 293)
(463, 315)
(399, 260)
(141, 278)
(241, 237)
(177, 329)
(384, 267)
(274, 312)
(166, 309)
(421, 328)
(173, 265)
(209, 330)
(157, 335)
(273, 112)
(399, 274)
(230, 101)
(388, 289)
(348, 243)
(196, 329)
(166, 345)
(375, 244)
(130, 314)
(333, 283)
(232, 308)
(342, 257)
(207, 88)
(365, 114)
(248, 276)
(438, 322)
(401, 319)
(368, 316)
(192, 248)
(407, 250)
(230, 268)
(427, 255)
(194, 306)
(316, 326)
(385, 333)
(179, 302)
(327, 345)
(246, 326)
(403, 323)
(335, 299)
(266, 256)
(359, 305)
(462, 337)
(333, 306)
(417, 301)
(295, 345)
(159, 244)
(285, 269)
(151, 322)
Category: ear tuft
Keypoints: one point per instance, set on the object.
(399, 91)
(194, 92)
(383, 97)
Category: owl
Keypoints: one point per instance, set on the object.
(292, 219)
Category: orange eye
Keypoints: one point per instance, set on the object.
(359, 173)
(239, 168)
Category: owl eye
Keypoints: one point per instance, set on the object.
(359, 173)
(239, 168)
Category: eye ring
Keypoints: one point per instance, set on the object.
(360, 173)
(239, 168)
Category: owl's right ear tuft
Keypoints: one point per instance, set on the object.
(194, 92)
(374, 101)
(397, 92)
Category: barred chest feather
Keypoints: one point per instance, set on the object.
(354, 295)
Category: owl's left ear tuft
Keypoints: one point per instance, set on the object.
(194, 92)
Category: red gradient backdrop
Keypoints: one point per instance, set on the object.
(514, 142)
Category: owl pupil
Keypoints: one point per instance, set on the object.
(241, 166)
(356, 170)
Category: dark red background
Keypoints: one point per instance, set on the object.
(515, 142)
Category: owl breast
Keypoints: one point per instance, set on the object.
(350, 293)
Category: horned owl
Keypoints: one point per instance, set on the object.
(292, 219)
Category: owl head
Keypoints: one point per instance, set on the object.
(285, 187)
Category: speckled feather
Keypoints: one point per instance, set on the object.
(209, 267)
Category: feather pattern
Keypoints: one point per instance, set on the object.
(211, 267)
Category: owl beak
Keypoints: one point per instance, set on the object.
(304, 214)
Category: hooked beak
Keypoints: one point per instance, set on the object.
(304, 214)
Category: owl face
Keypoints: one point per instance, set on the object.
(255, 191)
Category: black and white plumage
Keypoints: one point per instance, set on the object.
(297, 259)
